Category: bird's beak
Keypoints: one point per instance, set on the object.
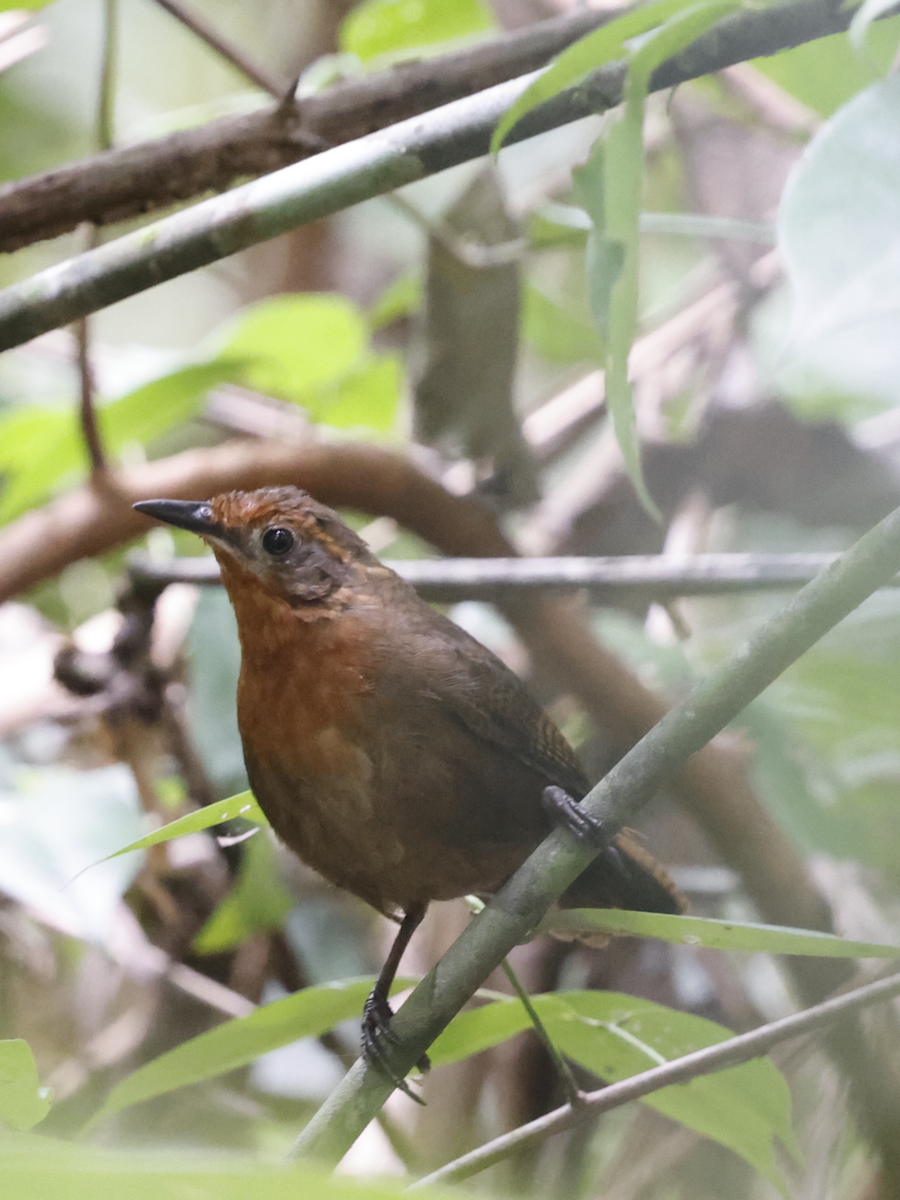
(193, 515)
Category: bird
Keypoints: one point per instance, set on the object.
(388, 748)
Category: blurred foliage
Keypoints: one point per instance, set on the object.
(91, 958)
(23, 1102)
(377, 27)
(843, 258)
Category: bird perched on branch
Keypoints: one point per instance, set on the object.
(389, 749)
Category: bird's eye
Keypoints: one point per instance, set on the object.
(277, 541)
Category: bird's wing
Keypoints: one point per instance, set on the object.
(494, 704)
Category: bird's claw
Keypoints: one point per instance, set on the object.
(563, 810)
(377, 1036)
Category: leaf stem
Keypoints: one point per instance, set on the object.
(572, 1090)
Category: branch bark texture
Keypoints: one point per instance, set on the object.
(135, 180)
(370, 166)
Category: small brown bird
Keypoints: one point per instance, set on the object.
(389, 749)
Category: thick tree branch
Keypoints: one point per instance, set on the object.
(359, 170)
(138, 179)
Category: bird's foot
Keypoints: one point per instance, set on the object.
(377, 1037)
(568, 813)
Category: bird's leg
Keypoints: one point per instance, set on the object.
(376, 1025)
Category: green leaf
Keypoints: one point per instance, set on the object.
(745, 1108)
(826, 73)
(237, 1043)
(555, 332)
(584, 56)
(615, 1036)
(23, 1102)
(149, 411)
(296, 345)
(39, 447)
(480, 1029)
(392, 26)
(399, 299)
(605, 256)
(259, 901)
(719, 935)
(368, 396)
(839, 236)
(242, 805)
(610, 186)
(33, 1166)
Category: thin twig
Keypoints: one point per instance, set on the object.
(105, 117)
(736, 1050)
(87, 412)
(106, 99)
(225, 48)
(660, 576)
(571, 1088)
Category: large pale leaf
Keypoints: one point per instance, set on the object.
(839, 234)
(57, 823)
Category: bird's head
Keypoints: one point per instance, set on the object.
(277, 540)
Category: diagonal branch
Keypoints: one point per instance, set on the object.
(225, 48)
(370, 166)
(139, 179)
(519, 905)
